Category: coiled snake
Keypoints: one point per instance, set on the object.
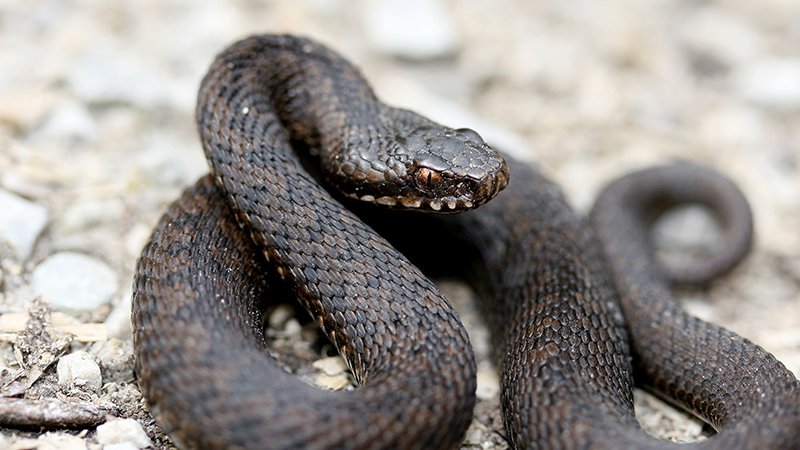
(261, 224)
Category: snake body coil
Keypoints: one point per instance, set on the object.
(261, 222)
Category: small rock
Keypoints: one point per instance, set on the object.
(687, 227)
(123, 431)
(60, 441)
(488, 384)
(279, 316)
(72, 121)
(23, 108)
(115, 357)
(118, 321)
(334, 373)
(333, 365)
(102, 75)
(21, 222)
(79, 369)
(773, 83)
(685, 234)
(720, 38)
(121, 446)
(414, 29)
(73, 281)
(292, 327)
(90, 213)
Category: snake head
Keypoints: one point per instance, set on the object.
(453, 169)
(429, 167)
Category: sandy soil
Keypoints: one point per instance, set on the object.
(97, 137)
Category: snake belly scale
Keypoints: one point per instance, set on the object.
(570, 330)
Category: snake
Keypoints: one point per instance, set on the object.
(320, 193)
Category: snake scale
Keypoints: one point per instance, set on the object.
(575, 320)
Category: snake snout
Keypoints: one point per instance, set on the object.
(454, 169)
(492, 182)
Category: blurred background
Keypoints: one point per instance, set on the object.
(97, 133)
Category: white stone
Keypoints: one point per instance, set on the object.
(488, 384)
(122, 431)
(687, 229)
(118, 322)
(727, 39)
(333, 365)
(74, 282)
(121, 446)
(112, 75)
(71, 120)
(771, 83)
(21, 221)
(416, 29)
(59, 441)
(79, 369)
(90, 213)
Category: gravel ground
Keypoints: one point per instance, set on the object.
(97, 137)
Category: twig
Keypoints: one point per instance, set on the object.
(49, 413)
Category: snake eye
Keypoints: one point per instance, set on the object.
(427, 179)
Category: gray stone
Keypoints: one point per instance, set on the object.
(79, 369)
(123, 431)
(74, 282)
(21, 222)
(415, 29)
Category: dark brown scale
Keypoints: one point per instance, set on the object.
(561, 342)
(733, 384)
(559, 335)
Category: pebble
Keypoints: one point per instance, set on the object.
(91, 213)
(771, 83)
(21, 222)
(118, 322)
(106, 75)
(333, 365)
(413, 29)
(72, 281)
(686, 231)
(121, 446)
(71, 121)
(60, 441)
(720, 37)
(279, 316)
(114, 355)
(488, 384)
(79, 369)
(123, 431)
(25, 107)
(334, 373)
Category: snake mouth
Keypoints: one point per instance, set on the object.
(468, 195)
(443, 204)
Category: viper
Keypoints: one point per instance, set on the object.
(306, 165)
